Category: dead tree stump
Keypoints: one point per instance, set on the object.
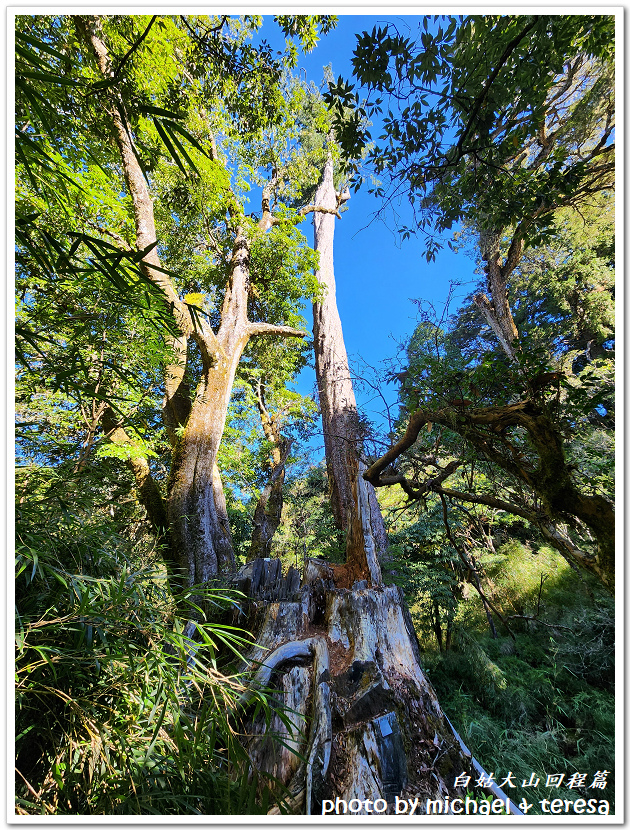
(346, 664)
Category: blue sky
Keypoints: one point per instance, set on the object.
(377, 275)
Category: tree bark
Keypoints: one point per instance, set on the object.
(268, 512)
(199, 532)
(360, 710)
(342, 649)
(176, 404)
(340, 420)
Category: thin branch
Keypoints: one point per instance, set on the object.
(317, 209)
(489, 501)
(133, 49)
(491, 79)
(473, 570)
(536, 620)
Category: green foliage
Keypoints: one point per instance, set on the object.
(306, 27)
(189, 85)
(112, 715)
(209, 112)
(563, 299)
(542, 703)
(494, 120)
(308, 528)
(422, 561)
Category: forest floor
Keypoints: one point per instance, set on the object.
(541, 705)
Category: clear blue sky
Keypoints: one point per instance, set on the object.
(377, 275)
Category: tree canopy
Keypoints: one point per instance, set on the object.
(491, 120)
(170, 462)
(501, 124)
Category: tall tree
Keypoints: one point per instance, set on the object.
(374, 717)
(195, 510)
(502, 143)
(200, 66)
(349, 649)
(354, 505)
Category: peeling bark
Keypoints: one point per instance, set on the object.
(361, 550)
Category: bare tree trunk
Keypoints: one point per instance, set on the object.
(338, 406)
(268, 513)
(496, 309)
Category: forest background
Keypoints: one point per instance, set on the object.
(522, 660)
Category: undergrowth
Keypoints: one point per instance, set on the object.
(118, 710)
(541, 702)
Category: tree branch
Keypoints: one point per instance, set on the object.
(317, 209)
(475, 575)
(417, 420)
(255, 329)
(491, 79)
(489, 501)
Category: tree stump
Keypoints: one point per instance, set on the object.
(346, 664)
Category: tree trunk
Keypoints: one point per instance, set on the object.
(497, 309)
(268, 513)
(340, 420)
(197, 516)
(341, 650)
(200, 533)
(437, 624)
(347, 665)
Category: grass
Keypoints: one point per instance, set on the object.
(112, 718)
(543, 702)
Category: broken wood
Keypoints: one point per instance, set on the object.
(373, 727)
